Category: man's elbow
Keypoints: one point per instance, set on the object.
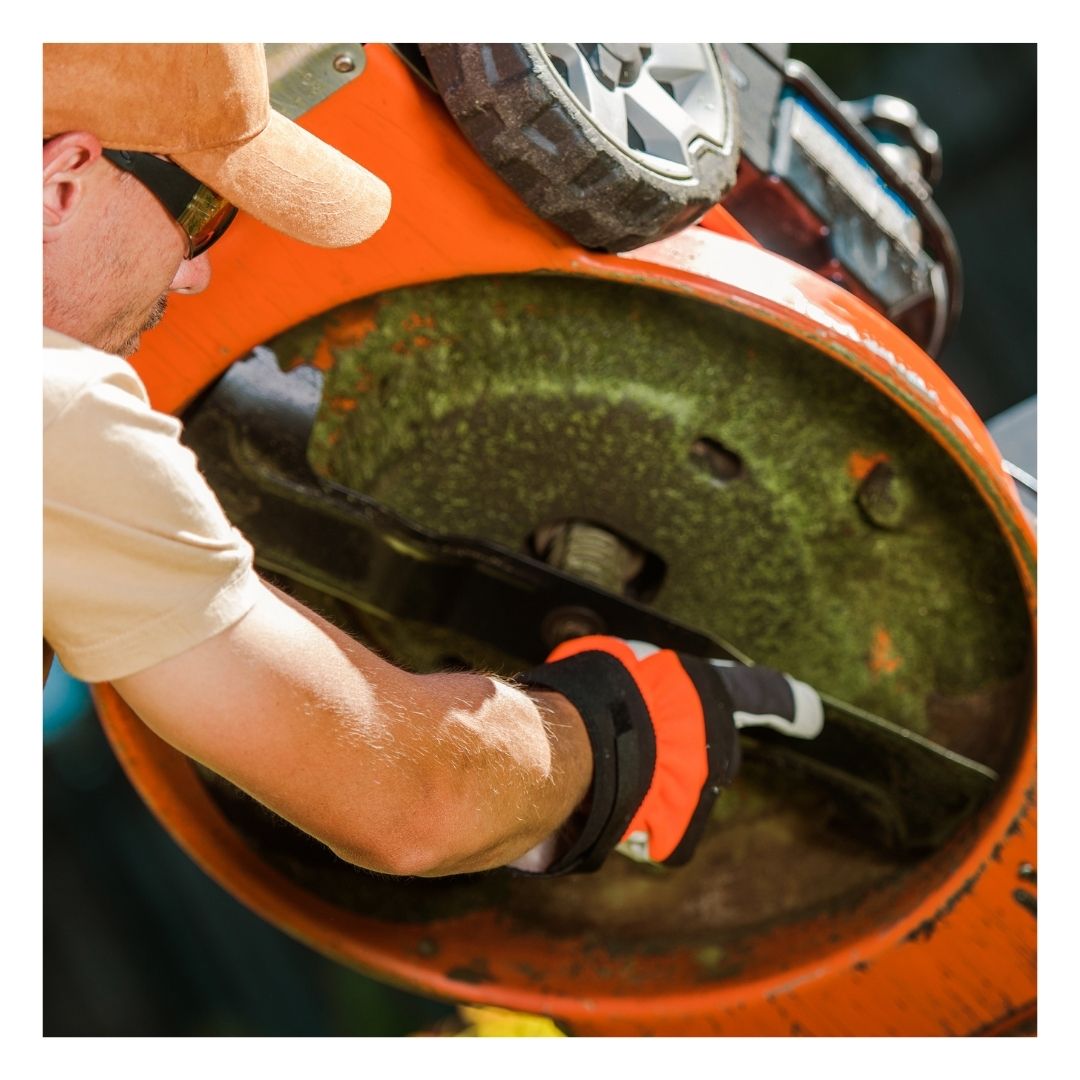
(397, 859)
(414, 838)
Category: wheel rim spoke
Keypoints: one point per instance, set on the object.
(666, 128)
(674, 100)
(607, 108)
(668, 62)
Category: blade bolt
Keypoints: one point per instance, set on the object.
(884, 497)
(565, 623)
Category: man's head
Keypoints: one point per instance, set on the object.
(116, 238)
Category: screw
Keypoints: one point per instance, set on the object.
(344, 63)
(1025, 900)
(1026, 872)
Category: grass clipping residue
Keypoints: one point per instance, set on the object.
(489, 406)
(840, 543)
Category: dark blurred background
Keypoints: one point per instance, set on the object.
(138, 941)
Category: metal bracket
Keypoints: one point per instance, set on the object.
(301, 76)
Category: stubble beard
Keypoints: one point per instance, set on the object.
(121, 341)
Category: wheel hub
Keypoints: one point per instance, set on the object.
(662, 102)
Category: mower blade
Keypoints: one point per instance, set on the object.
(910, 791)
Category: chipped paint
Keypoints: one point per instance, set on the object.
(860, 464)
(474, 973)
(803, 306)
(883, 656)
(1026, 900)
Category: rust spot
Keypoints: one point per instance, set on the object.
(398, 347)
(342, 404)
(1019, 1020)
(1026, 900)
(859, 464)
(1015, 828)
(923, 932)
(364, 383)
(351, 325)
(422, 341)
(322, 358)
(925, 929)
(477, 971)
(333, 438)
(416, 320)
(883, 657)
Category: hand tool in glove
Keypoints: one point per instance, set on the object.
(663, 727)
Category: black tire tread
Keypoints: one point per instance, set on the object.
(528, 130)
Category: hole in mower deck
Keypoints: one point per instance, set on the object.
(844, 545)
(722, 464)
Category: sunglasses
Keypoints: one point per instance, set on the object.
(202, 213)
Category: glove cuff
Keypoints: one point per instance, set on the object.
(621, 735)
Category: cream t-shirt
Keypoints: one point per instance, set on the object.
(140, 562)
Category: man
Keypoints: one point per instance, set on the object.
(148, 151)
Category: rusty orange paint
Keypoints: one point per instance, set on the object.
(956, 952)
(958, 960)
(323, 357)
(859, 465)
(884, 659)
(351, 325)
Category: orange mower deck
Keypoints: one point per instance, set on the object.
(947, 947)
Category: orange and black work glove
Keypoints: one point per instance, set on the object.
(664, 734)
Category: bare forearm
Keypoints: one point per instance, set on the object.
(513, 767)
(500, 769)
(406, 774)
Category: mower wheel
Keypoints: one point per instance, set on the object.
(618, 145)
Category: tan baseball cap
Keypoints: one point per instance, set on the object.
(208, 108)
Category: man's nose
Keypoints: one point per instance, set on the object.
(192, 276)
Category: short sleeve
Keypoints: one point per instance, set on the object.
(140, 562)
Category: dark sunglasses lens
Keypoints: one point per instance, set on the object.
(200, 212)
(208, 228)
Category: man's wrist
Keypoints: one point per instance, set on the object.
(568, 731)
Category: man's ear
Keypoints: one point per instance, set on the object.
(66, 163)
